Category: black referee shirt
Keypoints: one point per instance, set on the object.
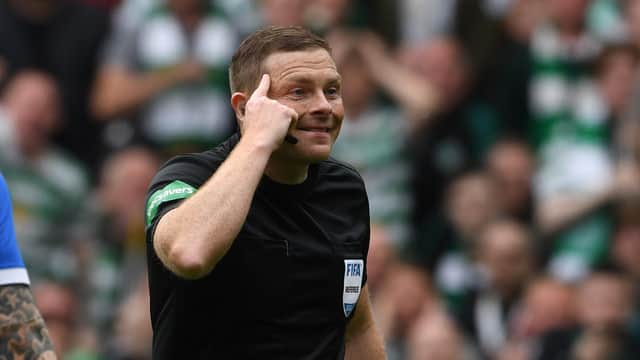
(287, 286)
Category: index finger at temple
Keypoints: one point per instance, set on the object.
(263, 87)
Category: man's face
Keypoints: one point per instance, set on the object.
(358, 86)
(568, 14)
(547, 305)
(32, 101)
(124, 184)
(471, 203)
(617, 79)
(182, 6)
(626, 249)
(283, 12)
(504, 253)
(512, 167)
(440, 63)
(309, 83)
(632, 15)
(604, 302)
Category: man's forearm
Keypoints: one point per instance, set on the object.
(556, 213)
(367, 345)
(418, 98)
(363, 340)
(118, 91)
(192, 238)
(23, 334)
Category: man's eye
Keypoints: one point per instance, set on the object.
(297, 92)
(332, 91)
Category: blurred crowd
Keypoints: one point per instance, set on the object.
(499, 141)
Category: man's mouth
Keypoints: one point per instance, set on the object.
(319, 129)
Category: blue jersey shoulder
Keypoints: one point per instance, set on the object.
(9, 252)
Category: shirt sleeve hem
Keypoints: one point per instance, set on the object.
(15, 275)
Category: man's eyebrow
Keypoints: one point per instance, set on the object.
(298, 79)
(308, 80)
(335, 80)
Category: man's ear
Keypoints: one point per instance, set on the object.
(238, 103)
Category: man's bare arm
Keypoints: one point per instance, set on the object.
(23, 334)
(118, 90)
(416, 97)
(192, 238)
(556, 213)
(363, 340)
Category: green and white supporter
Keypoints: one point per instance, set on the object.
(373, 144)
(193, 115)
(571, 130)
(48, 195)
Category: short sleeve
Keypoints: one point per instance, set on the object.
(176, 181)
(12, 269)
(366, 237)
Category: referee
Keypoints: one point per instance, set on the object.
(257, 249)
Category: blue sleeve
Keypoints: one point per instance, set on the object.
(9, 252)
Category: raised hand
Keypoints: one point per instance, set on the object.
(266, 121)
(190, 71)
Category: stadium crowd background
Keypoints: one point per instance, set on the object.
(499, 141)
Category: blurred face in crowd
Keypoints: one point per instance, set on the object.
(307, 82)
(548, 304)
(58, 307)
(568, 14)
(133, 332)
(328, 13)
(409, 290)
(185, 6)
(283, 12)
(513, 350)
(471, 203)
(32, 102)
(616, 78)
(596, 345)
(632, 14)
(523, 17)
(434, 337)
(511, 165)
(626, 249)
(123, 188)
(188, 12)
(357, 84)
(441, 63)
(504, 251)
(604, 302)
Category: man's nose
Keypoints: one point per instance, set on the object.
(320, 104)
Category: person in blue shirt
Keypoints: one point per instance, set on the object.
(23, 333)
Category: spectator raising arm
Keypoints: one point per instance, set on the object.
(119, 90)
(417, 98)
(557, 212)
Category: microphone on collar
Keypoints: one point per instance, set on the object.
(291, 139)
